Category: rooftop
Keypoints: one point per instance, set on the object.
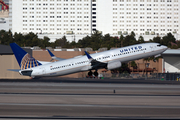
(6, 50)
(171, 51)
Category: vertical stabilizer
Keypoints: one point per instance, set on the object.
(24, 60)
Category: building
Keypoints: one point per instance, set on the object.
(52, 17)
(4, 15)
(79, 18)
(148, 18)
(171, 61)
(144, 17)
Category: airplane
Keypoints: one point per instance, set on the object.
(109, 60)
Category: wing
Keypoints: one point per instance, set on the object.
(26, 72)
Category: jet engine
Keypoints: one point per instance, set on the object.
(113, 65)
(25, 72)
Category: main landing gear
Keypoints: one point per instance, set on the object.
(96, 74)
(92, 75)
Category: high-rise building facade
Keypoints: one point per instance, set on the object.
(144, 17)
(74, 18)
(4, 15)
(51, 16)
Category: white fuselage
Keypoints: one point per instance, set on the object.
(79, 64)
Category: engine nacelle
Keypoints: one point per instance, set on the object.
(113, 65)
(25, 72)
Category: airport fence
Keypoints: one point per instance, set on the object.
(152, 76)
(166, 76)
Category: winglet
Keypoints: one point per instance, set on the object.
(24, 60)
(94, 63)
(51, 54)
(89, 57)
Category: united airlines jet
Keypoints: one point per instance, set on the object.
(110, 59)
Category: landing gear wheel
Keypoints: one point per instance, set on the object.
(96, 74)
(90, 74)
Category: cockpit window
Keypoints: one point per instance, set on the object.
(159, 45)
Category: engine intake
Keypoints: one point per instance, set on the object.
(113, 65)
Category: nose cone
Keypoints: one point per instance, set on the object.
(164, 47)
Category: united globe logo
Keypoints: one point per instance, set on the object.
(28, 62)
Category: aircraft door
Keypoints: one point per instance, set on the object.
(152, 48)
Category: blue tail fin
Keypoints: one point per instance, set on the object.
(24, 60)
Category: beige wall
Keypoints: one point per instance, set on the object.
(156, 65)
(9, 62)
(4, 14)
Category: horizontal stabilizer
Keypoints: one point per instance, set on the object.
(15, 70)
